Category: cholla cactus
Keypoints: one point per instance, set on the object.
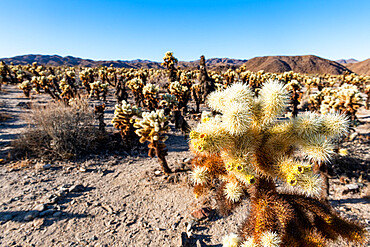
(367, 91)
(230, 77)
(152, 128)
(98, 88)
(168, 101)
(248, 149)
(197, 95)
(296, 94)
(346, 99)
(150, 93)
(181, 92)
(26, 86)
(124, 118)
(170, 62)
(87, 77)
(136, 85)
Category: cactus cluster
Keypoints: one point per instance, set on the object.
(152, 127)
(136, 85)
(124, 118)
(26, 86)
(150, 93)
(170, 63)
(248, 149)
(98, 89)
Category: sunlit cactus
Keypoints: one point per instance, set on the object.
(68, 91)
(124, 119)
(136, 85)
(346, 99)
(230, 77)
(98, 89)
(168, 101)
(248, 148)
(87, 77)
(26, 86)
(181, 92)
(150, 93)
(170, 63)
(152, 127)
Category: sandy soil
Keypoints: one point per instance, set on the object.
(123, 199)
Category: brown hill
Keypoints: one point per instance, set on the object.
(360, 67)
(308, 64)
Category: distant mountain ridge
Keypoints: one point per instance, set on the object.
(346, 61)
(308, 64)
(56, 60)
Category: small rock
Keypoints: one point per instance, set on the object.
(40, 207)
(157, 173)
(353, 188)
(37, 223)
(201, 213)
(57, 214)
(76, 188)
(46, 166)
(82, 169)
(29, 217)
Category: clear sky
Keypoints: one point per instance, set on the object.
(146, 29)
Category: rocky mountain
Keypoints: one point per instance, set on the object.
(360, 67)
(346, 61)
(55, 60)
(307, 64)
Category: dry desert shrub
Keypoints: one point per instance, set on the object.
(57, 131)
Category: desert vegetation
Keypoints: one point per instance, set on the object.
(264, 138)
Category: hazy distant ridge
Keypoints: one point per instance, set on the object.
(346, 61)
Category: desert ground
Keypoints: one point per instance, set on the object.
(123, 199)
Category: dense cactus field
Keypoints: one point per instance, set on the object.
(111, 156)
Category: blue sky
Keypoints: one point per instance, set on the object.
(143, 29)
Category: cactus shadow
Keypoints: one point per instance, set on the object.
(20, 216)
(203, 240)
(177, 143)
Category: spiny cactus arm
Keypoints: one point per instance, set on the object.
(274, 99)
(209, 137)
